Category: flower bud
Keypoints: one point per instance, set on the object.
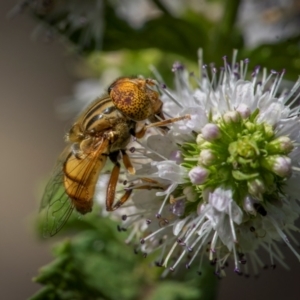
(200, 140)
(231, 117)
(283, 145)
(279, 164)
(248, 205)
(243, 110)
(211, 132)
(250, 126)
(269, 132)
(256, 187)
(190, 194)
(206, 157)
(198, 175)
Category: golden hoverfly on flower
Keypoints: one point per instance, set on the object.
(102, 130)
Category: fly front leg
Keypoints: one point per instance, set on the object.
(162, 123)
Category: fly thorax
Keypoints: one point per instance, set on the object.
(122, 135)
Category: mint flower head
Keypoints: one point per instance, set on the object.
(225, 182)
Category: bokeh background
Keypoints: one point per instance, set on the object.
(34, 77)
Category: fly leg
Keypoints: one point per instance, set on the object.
(113, 180)
(127, 163)
(162, 123)
(128, 192)
(112, 184)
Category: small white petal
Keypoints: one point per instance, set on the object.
(237, 213)
(243, 94)
(178, 225)
(271, 114)
(170, 170)
(220, 199)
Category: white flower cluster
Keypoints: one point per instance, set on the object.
(225, 182)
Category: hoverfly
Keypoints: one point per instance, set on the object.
(102, 131)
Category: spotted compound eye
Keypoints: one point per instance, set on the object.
(134, 98)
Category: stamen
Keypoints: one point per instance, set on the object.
(204, 240)
(190, 248)
(179, 259)
(246, 61)
(140, 213)
(294, 240)
(182, 82)
(266, 80)
(278, 83)
(241, 66)
(154, 233)
(200, 264)
(231, 224)
(234, 56)
(225, 61)
(194, 228)
(257, 260)
(200, 62)
(169, 254)
(197, 80)
(221, 76)
(295, 169)
(271, 254)
(291, 93)
(130, 222)
(213, 243)
(284, 237)
(275, 255)
(278, 251)
(152, 151)
(236, 266)
(156, 73)
(247, 271)
(254, 75)
(254, 265)
(223, 260)
(264, 75)
(132, 234)
(165, 91)
(163, 204)
(273, 86)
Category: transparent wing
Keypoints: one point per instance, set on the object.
(56, 205)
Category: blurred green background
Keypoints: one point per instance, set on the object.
(48, 48)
